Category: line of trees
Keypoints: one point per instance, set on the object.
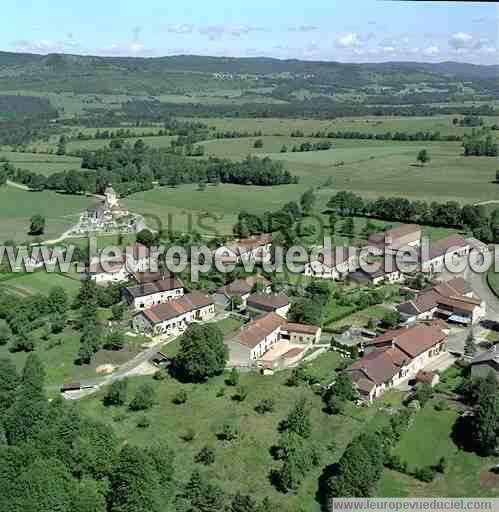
(483, 224)
(398, 136)
(478, 144)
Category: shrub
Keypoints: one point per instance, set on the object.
(160, 375)
(426, 474)
(241, 394)
(233, 378)
(189, 435)
(221, 392)
(180, 398)
(441, 405)
(144, 398)
(143, 422)
(205, 456)
(228, 432)
(265, 405)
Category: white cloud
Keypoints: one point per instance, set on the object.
(46, 46)
(180, 28)
(350, 40)
(431, 50)
(215, 32)
(461, 40)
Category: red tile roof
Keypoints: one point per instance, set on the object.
(440, 247)
(163, 285)
(243, 286)
(178, 307)
(253, 333)
(413, 340)
(268, 301)
(378, 239)
(300, 328)
(380, 365)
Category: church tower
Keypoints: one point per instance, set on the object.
(111, 197)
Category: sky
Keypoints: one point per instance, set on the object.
(333, 30)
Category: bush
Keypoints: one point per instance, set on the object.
(265, 405)
(241, 394)
(441, 405)
(426, 474)
(233, 378)
(143, 422)
(144, 398)
(189, 435)
(205, 456)
(160, 375)
(441, 466)
(117, 393)
(228, 432)
(180, 398)
(221, 392)
(394, 462)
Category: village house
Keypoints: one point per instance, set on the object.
(395, 357)
(486, 363)
(253, 340)
(256, 249)
(175, 315)
(385, 273)
(449, 247)
(110, 271)
(147, 277)
(239, 291)
(452, 300)
(335, 264)
(259, 303)
(393, 239)
(143, 296)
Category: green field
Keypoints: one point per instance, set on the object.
(428, 439)
(41, 282)
(41, 163)
(243, 465)
(17, 206)
(163, 141)
(378, 124)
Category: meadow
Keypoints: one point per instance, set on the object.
(18, 206)
(423, 444)
(243, 465)
(41, 163)
(366, 124)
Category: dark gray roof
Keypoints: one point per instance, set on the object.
(163, 285)
(491, 355)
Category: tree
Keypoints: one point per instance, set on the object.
(298, 420)
(145, 398)
(118, 311)
(5, 333)
(333, 219)
(135, 484)
(469, 346)
(485, 424)
(391, 319)
(58, 300)
(88, 496)
(340, 392)
(258, 143)
(242, 503)
(348, 227)
(9, 380)
(27, 415)
(146, 237)
(115, 340)
(117, 393)
(423, 157)
(233, 379)
(305, 311)
(307, 201)
(202, 353)
(37, 225)
(264, 406)
(423, 393)
(205, 456)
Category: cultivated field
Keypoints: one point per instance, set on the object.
(41, 163)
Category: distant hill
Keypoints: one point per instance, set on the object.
(184, 73)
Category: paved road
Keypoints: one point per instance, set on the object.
(481, 289)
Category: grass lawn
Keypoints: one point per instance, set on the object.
(428, 439)
(360, 318)
(18, 206)
(243, 465)
(160, 141)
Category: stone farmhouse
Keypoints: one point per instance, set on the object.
(256, 249)
(115, 272)
(392, 240)
(451, 300)
(240, 289)
(485, 363)
(144, 296)
(174, 316)
(395, 357)
(253, 340)
(386, 273)
(335, 264)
